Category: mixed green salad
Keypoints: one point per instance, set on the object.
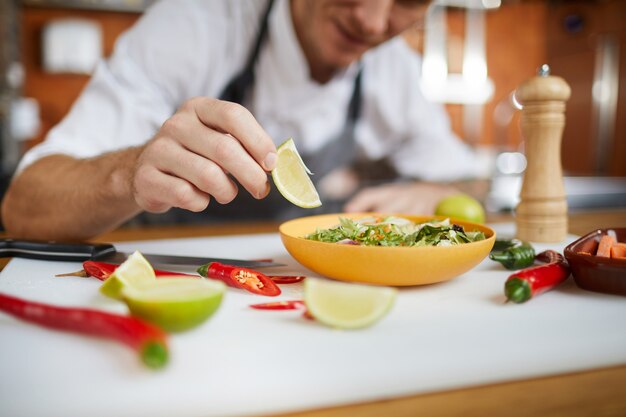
(395, 231)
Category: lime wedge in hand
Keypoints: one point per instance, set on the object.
(345, 305)
(175, 304)
(291, 177)
(135, 271)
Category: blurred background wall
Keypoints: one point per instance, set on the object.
(583, 41)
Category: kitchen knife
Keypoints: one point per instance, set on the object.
(105, 252)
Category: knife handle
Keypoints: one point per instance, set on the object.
(53, 251)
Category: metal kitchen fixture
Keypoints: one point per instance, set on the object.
(604, 95)
(471, 88)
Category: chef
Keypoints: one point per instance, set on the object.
(186, 114)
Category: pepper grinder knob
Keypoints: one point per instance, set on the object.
(541, 215)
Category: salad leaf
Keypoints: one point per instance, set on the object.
(395, 231)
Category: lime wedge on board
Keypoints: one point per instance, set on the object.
(345, 305)
(135, 271)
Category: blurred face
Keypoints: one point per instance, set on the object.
(335, 33)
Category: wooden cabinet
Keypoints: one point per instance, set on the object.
(57, 92)
(586, 45)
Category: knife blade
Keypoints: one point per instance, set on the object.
(106, 252)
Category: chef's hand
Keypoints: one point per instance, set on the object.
(188, 161)
(401, 197)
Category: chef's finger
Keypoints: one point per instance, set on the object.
(223, 150)
(237, 121)
(203, 173)
(156, 191)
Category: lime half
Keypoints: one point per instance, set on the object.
(291, 177)
(175, 304)
(344, 305)
(135, 271)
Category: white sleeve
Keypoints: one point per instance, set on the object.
(156, 65)
(433, 151)
(414, 133)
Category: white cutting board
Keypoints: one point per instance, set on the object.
(246, 362)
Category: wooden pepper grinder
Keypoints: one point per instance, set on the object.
(541, 215)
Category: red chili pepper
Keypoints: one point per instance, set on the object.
(238, 277)
(530, 282)
(148, 340)
(100, 270)
(307, 315)
(103, 270)
(280, 305)
(287, 279)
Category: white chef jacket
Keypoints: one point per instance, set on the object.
(182, 49)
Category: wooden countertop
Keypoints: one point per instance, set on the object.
(595, 393)
(580, 223)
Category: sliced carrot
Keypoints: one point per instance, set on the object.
(618, 250)
(604, 247)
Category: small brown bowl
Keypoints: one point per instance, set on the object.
(597, 273)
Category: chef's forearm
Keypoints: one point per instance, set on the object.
(59, 197)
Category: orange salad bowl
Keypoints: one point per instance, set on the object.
(383, 265)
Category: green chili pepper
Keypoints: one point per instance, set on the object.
(513, 253)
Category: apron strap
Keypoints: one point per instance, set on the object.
(236, 89)
(342, 150)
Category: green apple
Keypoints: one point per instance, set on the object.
(462, 207)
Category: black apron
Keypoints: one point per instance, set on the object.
(336, 153)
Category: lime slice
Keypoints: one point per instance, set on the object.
(346, 306)
(291, 177)
(135, 271)
(175, 304)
